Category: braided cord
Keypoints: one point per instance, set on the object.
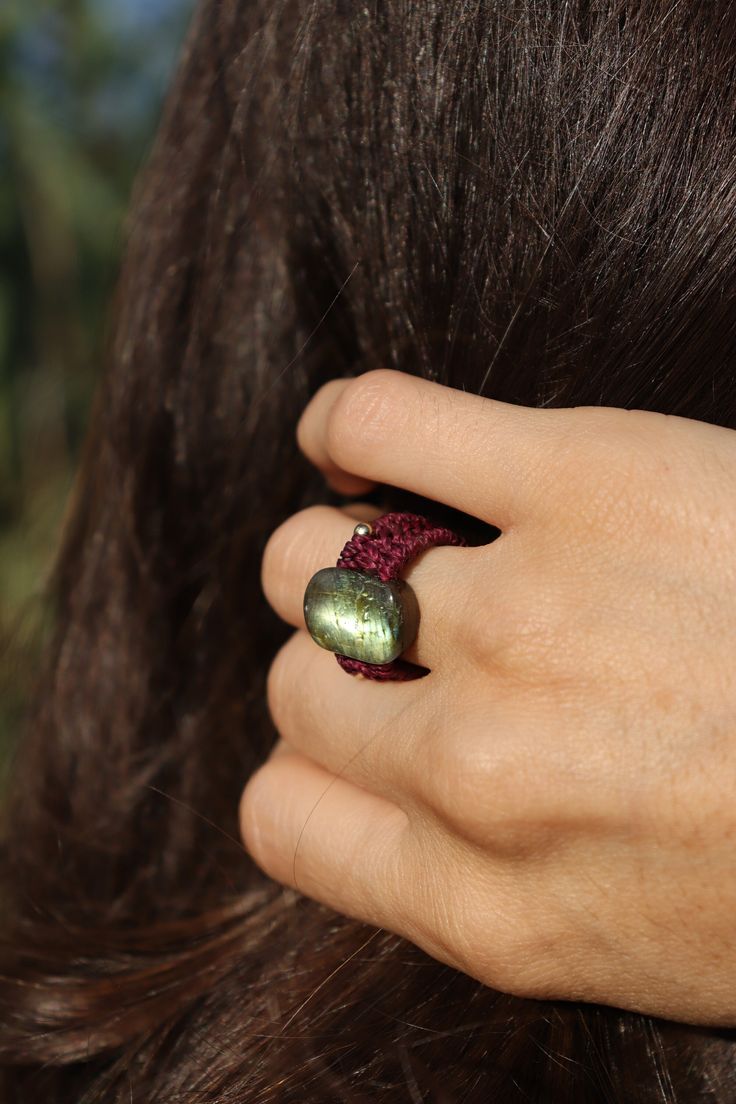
(395, 540)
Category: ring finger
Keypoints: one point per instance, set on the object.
(313, 538)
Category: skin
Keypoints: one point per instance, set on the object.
(552, 810)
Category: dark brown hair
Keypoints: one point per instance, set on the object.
(531, 199)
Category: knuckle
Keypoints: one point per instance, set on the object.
(458, 784)
(526, 959)
(257, 821)
(506, 782)
(364, 416)
(277, 684)
(517, 633)
(279, 551)
(260, 815)
(248, 816)
(491, 931)
(487, 788)
(283, 554)
(304, 426)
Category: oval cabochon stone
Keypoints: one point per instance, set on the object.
(356, 614)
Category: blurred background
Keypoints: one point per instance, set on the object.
(81, 89)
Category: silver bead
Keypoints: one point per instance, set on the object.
(362, 529)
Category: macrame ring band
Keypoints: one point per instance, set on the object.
(362, 610)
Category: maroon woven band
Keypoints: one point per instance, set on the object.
(396, 539)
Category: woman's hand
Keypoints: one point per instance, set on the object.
(553, 809)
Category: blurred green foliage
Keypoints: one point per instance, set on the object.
(81, 84)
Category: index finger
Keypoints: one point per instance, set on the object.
(490, 459)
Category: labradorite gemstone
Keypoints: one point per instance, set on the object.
(355, 614)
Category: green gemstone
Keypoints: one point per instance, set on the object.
(355, 614)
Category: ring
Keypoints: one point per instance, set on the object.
(362, 610)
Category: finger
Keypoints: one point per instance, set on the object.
(363, 857)
(369, 732)
(490, 459)
(326, 837)
(313, 445)
(314, 538)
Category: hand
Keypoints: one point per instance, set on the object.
(552, 810)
